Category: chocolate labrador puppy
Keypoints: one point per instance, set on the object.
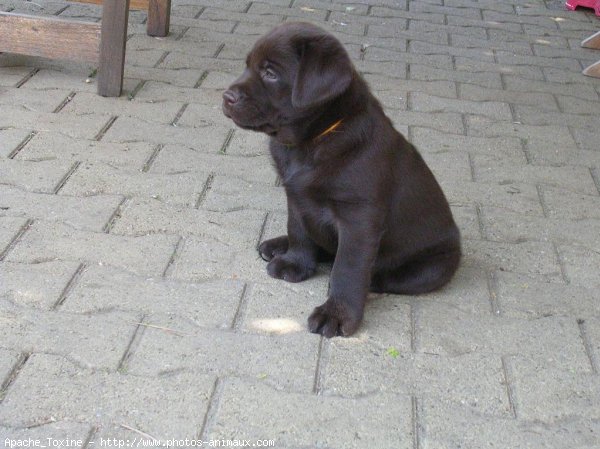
(357, 191)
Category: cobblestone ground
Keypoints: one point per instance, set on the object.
(132, 299)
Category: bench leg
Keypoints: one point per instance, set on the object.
(159, 18)
(113, 37)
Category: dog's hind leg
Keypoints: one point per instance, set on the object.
(418, 275)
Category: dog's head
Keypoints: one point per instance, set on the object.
(291, 71)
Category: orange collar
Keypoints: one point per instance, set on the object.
(331, 129)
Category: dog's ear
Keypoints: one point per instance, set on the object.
(325, 71)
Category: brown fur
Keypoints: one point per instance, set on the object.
(360, 194)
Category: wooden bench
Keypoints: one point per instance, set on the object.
(103, 43)
(592, 42)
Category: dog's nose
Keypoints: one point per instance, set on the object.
(230, 97)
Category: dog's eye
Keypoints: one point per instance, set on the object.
(269, 75)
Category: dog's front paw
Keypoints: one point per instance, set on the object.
(290, 269)
(273, 247)
(335, 317)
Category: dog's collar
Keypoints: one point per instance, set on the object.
(331, 129)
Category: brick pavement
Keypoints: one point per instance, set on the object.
(133, 302)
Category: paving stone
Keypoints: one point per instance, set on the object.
(82, 213)
(467, 220)
(483, 5)
(8, 360)
(499, 44)
(178, 61)
(562, 76)
(537, 139)
(565, 204)
(51, 434)
(535, 258)
(78, 126)
(427, 48)
(428, 103)
(509, 58)
(585, 139)
(495, 16)
(10, 139)
(533, 116)
(143, 217)
(474, 65)
(219, 80)
(591, 328)
(576, 51)
(446, 10)
(90, 103)
(493, 169)
(42, 147)
(518, 84)
(199, 115)
(358, 8)
(155, 91)
(11, 76)
(355, 369)
(248, 143)
(501, 225)
(424, 26)
(240, 411)
(542, 101)
(523, 296)
(577, 261)
(72, 336)
(256, 29)
(284, 361)
(71, 79)
(442, 121)
(216, 14)
(179, 77)
(389, 68)
(395, 12)
(385, 55)
(576, 105)
(220, 260)
(474, 24)
(230, 194)
(41, 176)
(448, 332)
(145, 255)
(446, 426)
(300, 13)
(354, 44)
(438, 37)
(282, 308)
(93, 179)
(431, 140)
(207, 304)
(177, 159)
(106, 398)
(517, 197)
(448, 164)
(38, 286)
(31, 100)
(127, 129)
(547, 394)
(9, 229)
(486, 79)
(144, 57)
(383, 86)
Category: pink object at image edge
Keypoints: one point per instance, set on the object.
(594, 4)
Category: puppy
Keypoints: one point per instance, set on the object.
(358, 192)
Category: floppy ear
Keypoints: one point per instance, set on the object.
(325, 72)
